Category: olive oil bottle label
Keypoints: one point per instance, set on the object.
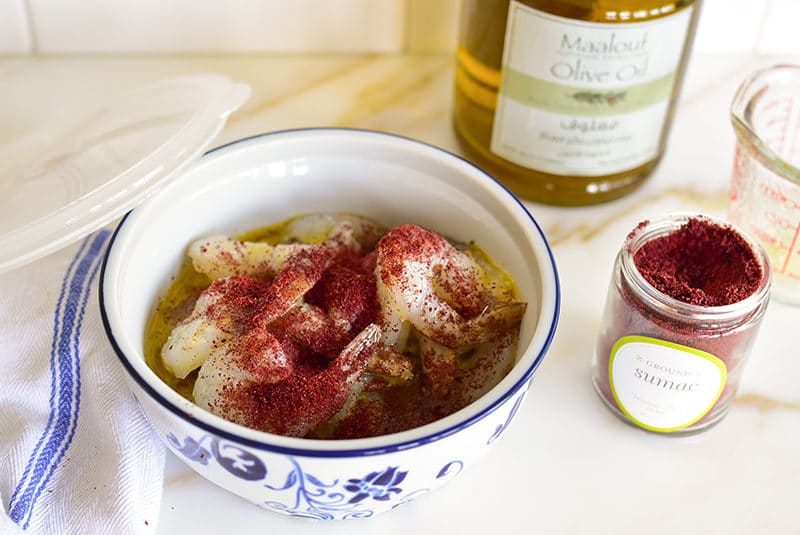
(585, 98)
(663, 386)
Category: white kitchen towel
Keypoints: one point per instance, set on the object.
(77, 455)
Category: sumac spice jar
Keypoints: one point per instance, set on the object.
(686, 298)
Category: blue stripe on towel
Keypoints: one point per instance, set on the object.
(56, 328)
(65, 380)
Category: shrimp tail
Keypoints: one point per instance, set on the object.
(354, 358)
(491, 323)
(482, 328)
(438, 367)
(336, 381)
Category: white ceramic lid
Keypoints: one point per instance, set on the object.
(75, 175)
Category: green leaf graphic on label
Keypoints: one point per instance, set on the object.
(575, 100)
(610, 98)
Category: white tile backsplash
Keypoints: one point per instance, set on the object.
(15, 36)
(781, 32)
(109, 26)
(729, 25)
(178, 26)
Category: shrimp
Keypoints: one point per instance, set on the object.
(221, 256)
(410, 261)
(293, 406)
(256, 357)
(294, 270)
(311, 328)
(484, 366)
(298, 338)
(342, 231)
(347, 294)
(233, 304)
(390, 367)
(213, 321)
(438, 367)
(300, 273)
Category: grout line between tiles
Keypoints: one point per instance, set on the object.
(34, 40)
(762, 26)
(407, 25)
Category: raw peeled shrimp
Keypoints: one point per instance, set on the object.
(487, 364)
(410, 261)
(211, 324)
(342, 304)
(298, 275)
(311, 328)
(292, 406)
(438, 367)
(256, 357)
(221, 256)
(425, 282)
(273, 335)
(232, 305)
(298, 268)
(236, 303)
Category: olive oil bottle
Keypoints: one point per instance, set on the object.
(569, 101)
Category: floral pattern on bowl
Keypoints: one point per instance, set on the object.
(297, 491)
(305, 495)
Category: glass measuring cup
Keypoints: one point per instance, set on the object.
(765, 186)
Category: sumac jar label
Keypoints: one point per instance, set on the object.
(663, 386)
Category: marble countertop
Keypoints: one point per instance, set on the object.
(566, 465)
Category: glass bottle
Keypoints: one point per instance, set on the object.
(569, 101)
(666, 365)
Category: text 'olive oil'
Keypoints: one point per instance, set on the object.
(568, 102)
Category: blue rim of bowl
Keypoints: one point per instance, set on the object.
(351, 452)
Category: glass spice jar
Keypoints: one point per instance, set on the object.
(669, 356)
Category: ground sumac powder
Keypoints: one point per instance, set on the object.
(685, 302)
(701, 263)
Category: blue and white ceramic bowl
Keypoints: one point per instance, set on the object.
(266, 179)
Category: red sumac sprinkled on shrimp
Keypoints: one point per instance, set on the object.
(341, 329)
